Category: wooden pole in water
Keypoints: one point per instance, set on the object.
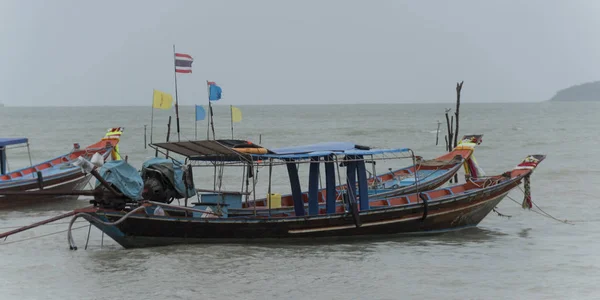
(437, 132)
(449, 134)
(168, 134)
(145, 144)
(448, 137)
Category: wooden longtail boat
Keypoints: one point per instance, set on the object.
(143, 223)
(424, 175)
(56, 176)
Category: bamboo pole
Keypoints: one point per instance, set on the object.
(6, 234)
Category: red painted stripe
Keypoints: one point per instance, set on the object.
(183, 55)
(183, 71)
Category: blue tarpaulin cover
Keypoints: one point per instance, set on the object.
(124, 177)
(176, 177)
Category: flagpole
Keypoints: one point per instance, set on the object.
(231, 112)
(196, 123)
(176, 100)
(152, 117)
(212, 122)
(209, 111)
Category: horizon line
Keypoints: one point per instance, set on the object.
(282, 104)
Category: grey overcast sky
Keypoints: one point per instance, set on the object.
(114, 52)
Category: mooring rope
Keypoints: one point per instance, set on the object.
(541, 212)
(501, 214)
(49, 224)
(527, 192)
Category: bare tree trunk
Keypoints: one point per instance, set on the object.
(456, 113)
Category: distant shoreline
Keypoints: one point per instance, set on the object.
(586, 92)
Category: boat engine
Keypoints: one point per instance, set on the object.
(106, 199)
(166, 180)
(157, 187)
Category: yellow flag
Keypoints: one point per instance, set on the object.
(236, 114)
(162, 100)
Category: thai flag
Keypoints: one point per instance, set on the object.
(183, 63)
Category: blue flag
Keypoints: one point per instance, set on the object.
(214, 92)
(200, 113)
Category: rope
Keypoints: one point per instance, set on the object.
(541, 212)
(40, 236)
(501, 214)
(49, 224)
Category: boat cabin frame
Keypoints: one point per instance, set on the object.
(16, 143)
(219, 154)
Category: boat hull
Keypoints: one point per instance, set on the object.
(143, 231)
(66, 183)
(60, 177)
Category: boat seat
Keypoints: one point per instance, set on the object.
(398, 201)
(379, 203)
(16, 174)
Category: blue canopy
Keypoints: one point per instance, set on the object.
(325, 153)
(224, 150)
(12, 141)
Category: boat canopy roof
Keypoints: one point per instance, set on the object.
(236, 150)
(324, 149)
(221, 150)
(12, 141)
